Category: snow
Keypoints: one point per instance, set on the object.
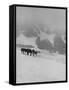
(26, 41)
(40, 68)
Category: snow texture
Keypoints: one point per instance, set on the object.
(42, 68)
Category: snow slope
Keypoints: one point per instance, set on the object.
(23, 40)
(38, 69)
(26, 41)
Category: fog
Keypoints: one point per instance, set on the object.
(30, 19)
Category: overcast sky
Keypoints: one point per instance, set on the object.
(53, 18)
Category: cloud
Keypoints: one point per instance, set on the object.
(35, 29)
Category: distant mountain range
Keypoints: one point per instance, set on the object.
(52, 43)
(57, 46)
(24, 41)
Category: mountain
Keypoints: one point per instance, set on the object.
(58, 44)
(44, 44)
(43, 41)
(25, 41)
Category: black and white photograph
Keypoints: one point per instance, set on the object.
(40, 44)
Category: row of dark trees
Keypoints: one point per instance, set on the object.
(29, 52)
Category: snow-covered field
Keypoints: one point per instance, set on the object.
(41, 68)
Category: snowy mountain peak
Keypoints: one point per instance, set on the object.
(26, 41)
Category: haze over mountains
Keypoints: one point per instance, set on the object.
(43, 38)
(36, 19)
(42, 28)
